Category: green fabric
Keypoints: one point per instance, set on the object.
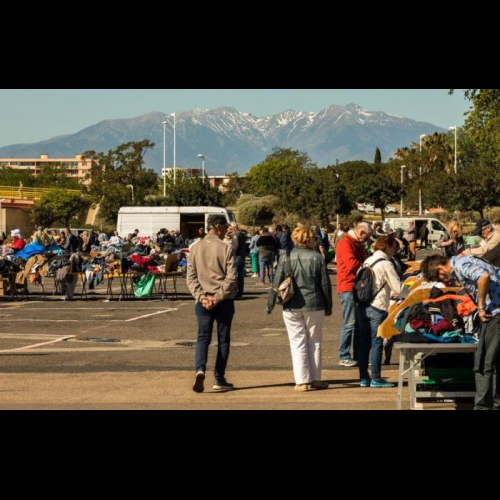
(472, 240)
(459, 374)
(145, 287)
(330, 257)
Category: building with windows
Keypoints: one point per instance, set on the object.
(77, 167)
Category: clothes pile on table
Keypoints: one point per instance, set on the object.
(443, 318)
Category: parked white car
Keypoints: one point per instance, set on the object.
(371, 210)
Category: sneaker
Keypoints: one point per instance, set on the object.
(348, 363)
(255, 276)
(302, 388)
(320, 386)
(199, 385)
(365, 384)
(381, 384)
(223, 385)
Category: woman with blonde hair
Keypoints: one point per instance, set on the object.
(305, 312)
(456, 244)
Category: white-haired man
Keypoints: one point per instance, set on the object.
(490, 250)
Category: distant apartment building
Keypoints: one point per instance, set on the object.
(76, 168)
(216, 181)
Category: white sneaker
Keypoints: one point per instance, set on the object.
(348, 363)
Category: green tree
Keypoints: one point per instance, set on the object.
(59, 207)
(378, 157)
(325, 195)
(483, 121)
(55, 176)
(372, 184)
(188, 192)
(284, 174)
(13, 177)
(236, 187)
(258, 210)
(114, 175)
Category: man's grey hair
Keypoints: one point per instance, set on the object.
(364, 226)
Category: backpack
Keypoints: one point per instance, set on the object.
(363, 285)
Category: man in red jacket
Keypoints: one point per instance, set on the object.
(351, 255)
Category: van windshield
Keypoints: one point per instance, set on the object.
(232, 217)
(437, 226)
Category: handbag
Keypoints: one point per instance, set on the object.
(286, 291)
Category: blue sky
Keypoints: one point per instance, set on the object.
(31, 115)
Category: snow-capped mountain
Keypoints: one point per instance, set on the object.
(234, 141)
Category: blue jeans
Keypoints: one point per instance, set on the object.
(241, 268)
(267, 263)
(367, 339)
(223, 314)
(349, 310)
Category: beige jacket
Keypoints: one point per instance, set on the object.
(491, 251)
(212, 270)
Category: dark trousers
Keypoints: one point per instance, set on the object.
(223, 314)
(241, 268)
(487, 367)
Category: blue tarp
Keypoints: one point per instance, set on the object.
(30, 251)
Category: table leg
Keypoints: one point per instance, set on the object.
(402, 366)
(411, 382)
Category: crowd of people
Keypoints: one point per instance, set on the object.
(296, 264)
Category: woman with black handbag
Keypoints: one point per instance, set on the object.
(302, 286)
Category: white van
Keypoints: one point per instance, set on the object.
(149, 220)
(437, 230)
(371, 210)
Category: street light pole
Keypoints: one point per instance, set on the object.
(165, 159)
(421, 205)
(455, 129)
(402, 184)
(175, 148)
(133, 194)
(202, 157)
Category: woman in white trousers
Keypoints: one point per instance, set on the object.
(305, 313)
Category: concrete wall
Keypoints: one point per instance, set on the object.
(16, 218)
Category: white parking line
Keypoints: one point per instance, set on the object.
(147, 316)
(97, 318)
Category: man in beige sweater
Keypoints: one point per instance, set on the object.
(490, 250)
(212, 280)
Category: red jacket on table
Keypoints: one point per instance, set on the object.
(351, 255)
(18, 244)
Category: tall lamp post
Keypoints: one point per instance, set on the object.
(175, 147)
(421, 206)
(165, 124)
(455, 129)
(133, 194)
(402, 184)
(202, 158)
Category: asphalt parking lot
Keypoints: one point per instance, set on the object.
(140, 354)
